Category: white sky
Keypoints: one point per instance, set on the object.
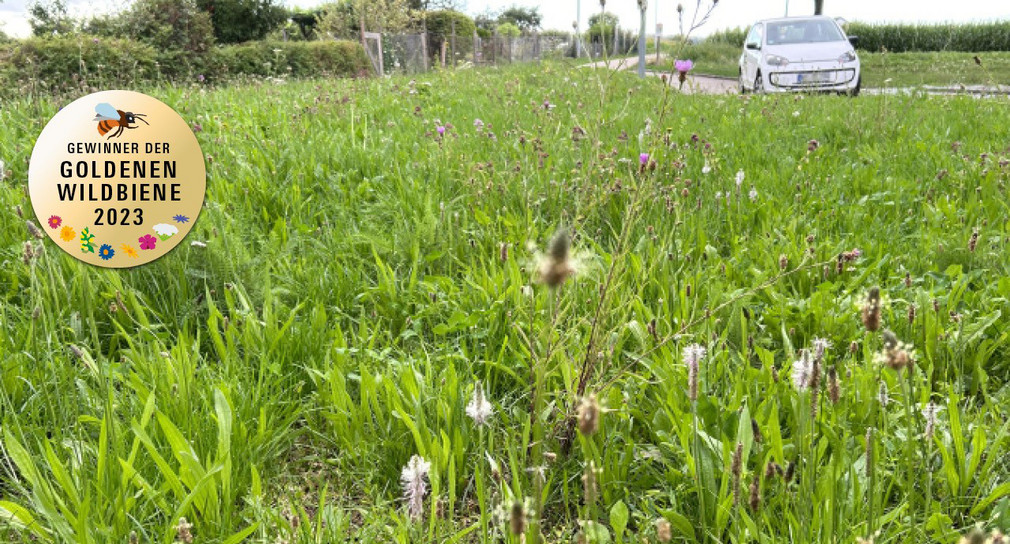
(560, 13)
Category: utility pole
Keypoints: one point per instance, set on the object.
(659, 32)
(578, 21)
(642, 6)
(787, 8)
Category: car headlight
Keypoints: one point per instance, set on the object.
(775, 60)
(848, 56)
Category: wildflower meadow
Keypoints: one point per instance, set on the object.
(540, 303)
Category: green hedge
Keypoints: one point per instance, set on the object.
(298, 59)
(969, 37)
(899, 38)
(77, 64)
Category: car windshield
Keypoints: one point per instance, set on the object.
(807, 31)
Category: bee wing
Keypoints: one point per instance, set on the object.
(106, 111)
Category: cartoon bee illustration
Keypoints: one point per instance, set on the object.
(109, 119)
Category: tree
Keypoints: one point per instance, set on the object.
(486, 20)
(435, 5)
(509, 30)
(343, 19)
(49, 17)
(171, 25)
(243, 20)
(605, 18)
(526, 19)
(818, 7)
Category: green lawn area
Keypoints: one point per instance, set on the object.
(879, 69)
(703, 310)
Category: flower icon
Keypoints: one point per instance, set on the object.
(106, 252)
(147, 241)
(67, 233)
(129, 251)
(165, 231)
(54, 221)
(87, 241)
(180, 219)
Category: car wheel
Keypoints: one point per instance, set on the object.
(859, 85)
(759, 85)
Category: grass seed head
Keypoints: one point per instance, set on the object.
(664, 530)
(517, 518)
(183, 531)
(589, 415)
(871, 310)
(834, 389)
(755, 494)
(557, 265)
(736, 469)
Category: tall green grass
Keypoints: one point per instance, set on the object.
(966, 37)
(361, 274)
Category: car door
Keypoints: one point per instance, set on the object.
(752, 54)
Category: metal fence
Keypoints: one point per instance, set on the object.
(413, 53)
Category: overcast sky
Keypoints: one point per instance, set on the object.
(560, 13)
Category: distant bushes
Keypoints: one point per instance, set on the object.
(298, 59)
(899, 38)
(731, 36)
(81, 63)
(968, 37)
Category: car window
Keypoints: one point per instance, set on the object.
(803, 31)
(755, 35)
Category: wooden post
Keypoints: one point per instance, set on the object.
(476, 47)
(442, 51)
(453, 44)
(424, 49)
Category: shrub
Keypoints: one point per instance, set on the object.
(508, 30)
(602, 32)
(82, 64)
(731, 36)
(298, 59)
(170, 25)
(441, 25)
(237, 21)
(76, 63)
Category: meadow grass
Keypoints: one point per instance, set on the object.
(363, 274)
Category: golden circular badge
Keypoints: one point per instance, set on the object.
(117, 179)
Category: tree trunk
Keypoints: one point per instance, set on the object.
(818, 7)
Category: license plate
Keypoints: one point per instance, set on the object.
(815, 77)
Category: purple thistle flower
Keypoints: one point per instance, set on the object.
(683, 66)
(200, 78)
(441, 130)
(643, 158)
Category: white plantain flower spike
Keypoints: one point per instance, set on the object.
(479, 409)
(414, 486)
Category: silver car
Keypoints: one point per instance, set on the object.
(799, 54)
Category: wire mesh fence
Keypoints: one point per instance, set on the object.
(413, 53)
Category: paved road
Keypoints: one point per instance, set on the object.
(694, 83)
(722, 85)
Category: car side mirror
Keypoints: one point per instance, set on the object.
(854, 40)
(752, 46)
